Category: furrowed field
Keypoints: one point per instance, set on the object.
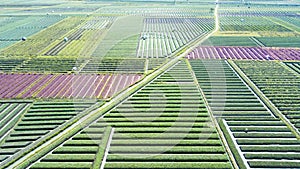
(211, 84)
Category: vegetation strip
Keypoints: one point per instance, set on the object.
(104, 152)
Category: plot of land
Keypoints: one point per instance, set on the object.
(247, 53)
(64, 86)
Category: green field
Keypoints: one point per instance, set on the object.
(177, 84)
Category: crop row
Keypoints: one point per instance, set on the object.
(39, 41)
(229, 41)
(49, 65)
(292, 20)
(61, 10)
(226, 94)
(249, 24)
(258, 10)
(97, 22)
(163, 36)
(125, 48)
(252, 41)
(69, 65)
(7, 65)
(141, 125)
(115, 65)
(251, 130)
(36, 123)
(10, 22)
(247, 53)
(160, 11)
(278, 83)
(24, 27)
(279, 41)
(152, 129)
(118, 42)
(81, 39)
(10, 113)
(63, 86)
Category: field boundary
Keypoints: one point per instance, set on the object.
(107, 142)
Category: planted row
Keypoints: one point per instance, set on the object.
(163, 36)
(256, 136)
(244, 53)
(279, 84)
(36, 124)
(64, 86)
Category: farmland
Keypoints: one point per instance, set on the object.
(161, 40)
(99, 84)
(36, 123)
(154, 132)
(64, 86)
(253, 128)
(247, 53)
(276, 86)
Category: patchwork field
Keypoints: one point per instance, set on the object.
(98, 84)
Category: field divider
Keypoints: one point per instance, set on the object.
(235, 144)
(213, 119)
(255, 40)
(104, 152)
(102, 148)
(146, 66)
(265, 100)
